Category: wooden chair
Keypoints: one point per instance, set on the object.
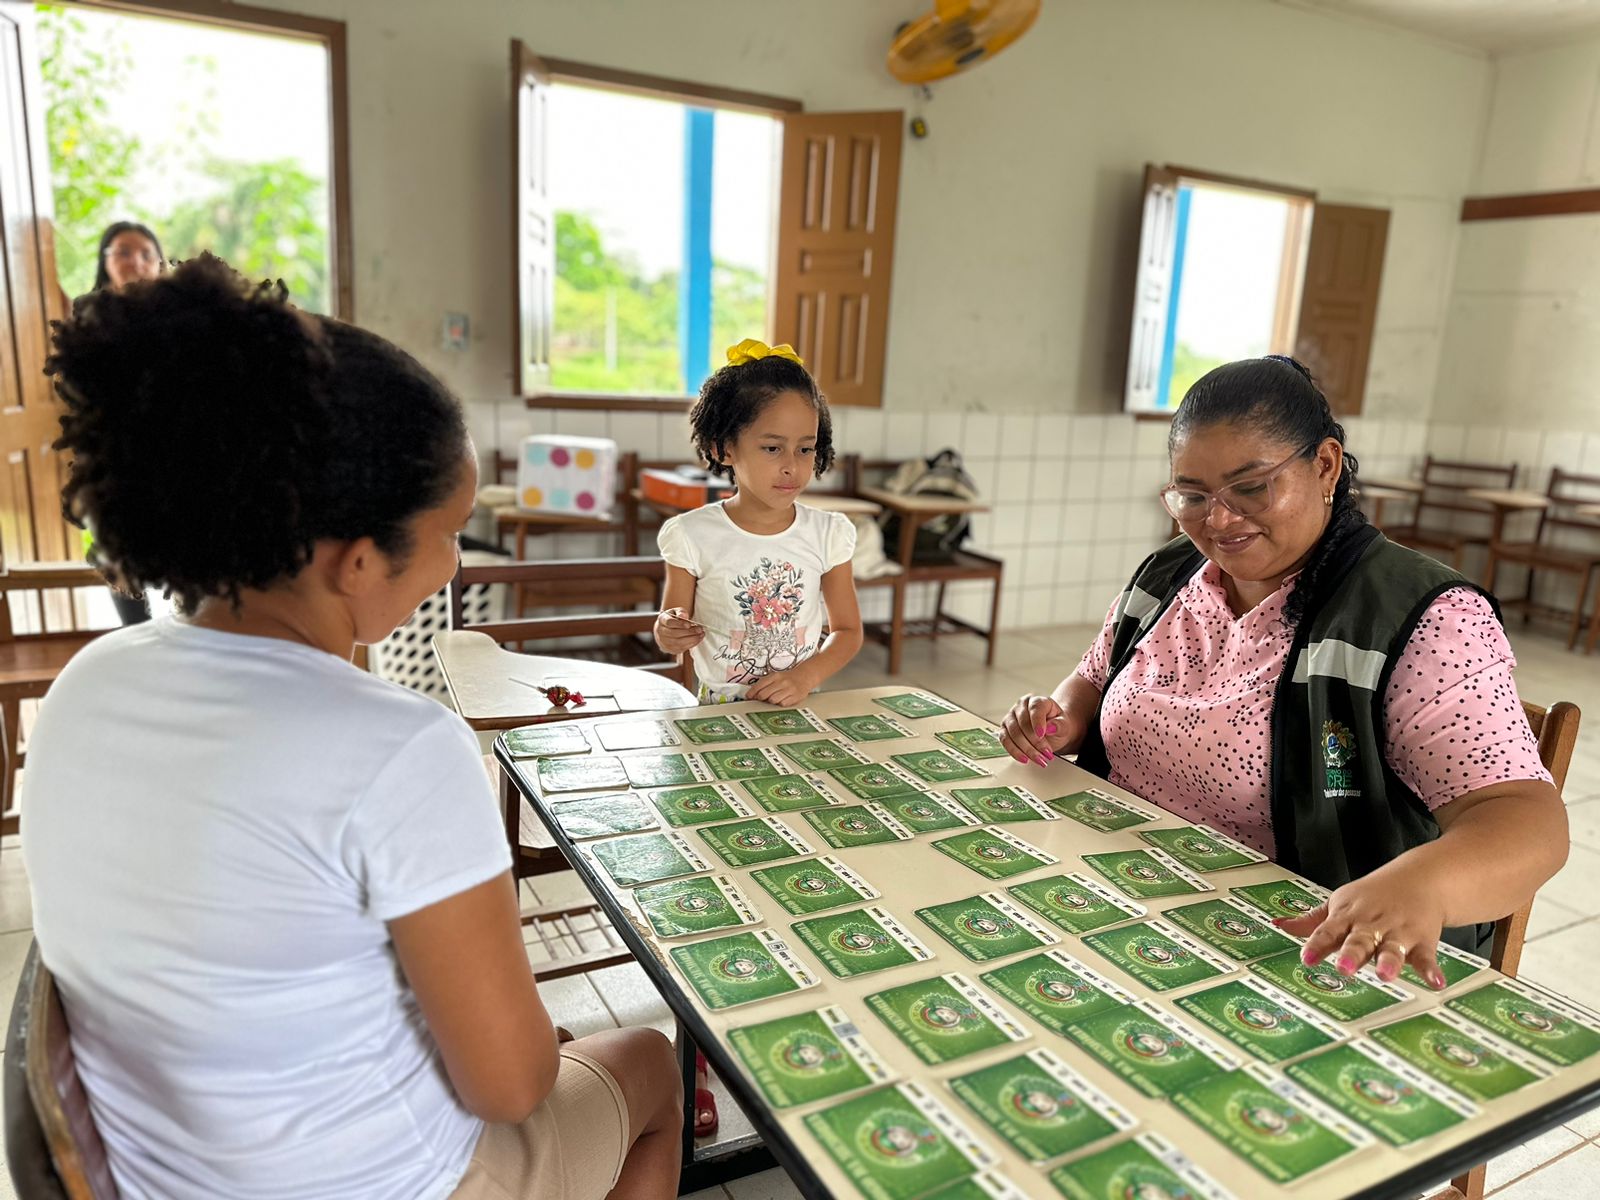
(1566, 491)
(53, 1149)
(1556, 729)
(1445, 485)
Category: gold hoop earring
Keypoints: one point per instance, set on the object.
(1328, 500)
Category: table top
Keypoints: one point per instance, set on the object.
(496, 688)
(1409, 486)
(1588, 510)
(922, 505)
(1510, 498)
(1382, 492)
(825, 501)
(911, 875)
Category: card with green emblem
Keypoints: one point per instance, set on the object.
(898, 1142)
(1381, 1093)
(1101, 811)
(822, 754)
(805, 1058)
(945, 1018)
(926, 812)
(1056, 989)
(1455, 965)
(779, 722)
(789, 793)
(1150, 1048)
(1147, 874)
(708, 731)
(939, 766)
(635, 735)
(1539, 1021)
(703, 904)
(1158, 955)
(753, 842)
(602, 816)
(1040, 1106)
(1146, 1166)
(1343, 997)
(847, 825)
(581, 774)
(1075, 902)
(1290, 897)
(741, 968)
(994, 853)
(877, 781)
(750, 763)
(974, 743)
(869, 728)
(1232, 927)
(646, 858)
(1261, 1020)
(986, 927)
(699, 805)
(815, 885)
(989, 1185)
(1201, 848)
(665, 770)
(1459, 1055)
(915, 705)
(860, 941)
(546, 741)
(1003, 804)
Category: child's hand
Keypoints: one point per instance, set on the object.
(676, 632)
(1035, 728)
(786, 689)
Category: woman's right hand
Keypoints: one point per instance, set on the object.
(1037, 728)
(676, 632)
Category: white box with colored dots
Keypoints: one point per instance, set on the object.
(575, 476)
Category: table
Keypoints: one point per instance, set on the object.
(1410, 486)
(1503, 502)
(912, 875)
(851, 506)
(1381, 495)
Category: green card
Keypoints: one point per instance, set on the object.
(847, 825)
(1554, 1029)
(1151, 1049)
(994, 853)
(1260, 1019)
(708, 731)
(751, 763)
(1003, 804)
(1455, 965)
(699, 805)
(898, 1142)
(860, 941)
(988, 1185)
(801, 1059)
(815, 885)
(1146, 874)
(590, 774)
(939, 766)
(1075, 902)
(1201, 848)
(986, 927)
(1056, 989)
(631, 861)
(1233, 928)
(1146, 1167)
(752, 842)
(915, 705)
(1291, 897)
(602, 816)
(740, 968)
(546, 741)
(877, 781)
(779, 722)
(1344, 997)
(700, 905)
(1158, 955)
(974, 743)
(1040, 1106)
(1459, 1055)
(1101, 811)
(945, 1018)
(869, 728)
(1270, 1122)
(788, 793)
(664, 770)
(925, 812)
(821, 754)
(635, 735)
(1381, 1093)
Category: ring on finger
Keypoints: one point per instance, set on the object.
(1376, 936)
(1400, 949)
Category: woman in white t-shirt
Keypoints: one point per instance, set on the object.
(753, 581)
(273, 889)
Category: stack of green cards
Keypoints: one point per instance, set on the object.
(1157, 955)
(1381, 1093)
(743, 764)
(1261, 1020)
(602, 816)
(1144, 1166)
(898, 1142)
(581, 774)
(1555, 1029)
(741, 968)
(789, 793)
(1291, 897)
(1056, 989)
(944, 1018)
(1201, 848)
(915, 705)
(545, 741)
(845, 825)
(974, 743)
(994, 853)
(1145, 874)
(1075, 902)
(699, 805)
(989, 1185)
(821, 754)
(986, 927)
(664, 770)
(1344, 997)
(1101, 810)
(1151, 1049)
(1040, 1106)
(1455, 965)
(815, 885)
(1277, 1127)
(631, 861)
(753, 842)
(708, 731)
(939, 766)
(635, 735)
(924, 812)
(860, 941)
(1002, 804)
(877, 781)
(801, 1059)
(1227, 925)
(1459, 1055)
(701, 905)
(869, 728)
(777, 722)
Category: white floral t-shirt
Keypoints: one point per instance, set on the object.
(758, 595)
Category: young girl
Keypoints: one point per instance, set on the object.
(752, 580)
(273, 889)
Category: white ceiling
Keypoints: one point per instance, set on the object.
(1489, 25)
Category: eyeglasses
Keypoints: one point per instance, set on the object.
(1243, 498)
(124, 253)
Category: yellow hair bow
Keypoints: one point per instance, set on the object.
(750, 350)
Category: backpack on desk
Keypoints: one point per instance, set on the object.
(942, 475)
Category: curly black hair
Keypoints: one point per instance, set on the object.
(732, 398)
(217, 433)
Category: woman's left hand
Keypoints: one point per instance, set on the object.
(1388, 918)
(786, 689)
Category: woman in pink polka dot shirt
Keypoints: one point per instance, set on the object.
(1284, 673)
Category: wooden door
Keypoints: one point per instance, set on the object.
(838, 196)
(1152, 296)
(533, 223)
(1339, 303)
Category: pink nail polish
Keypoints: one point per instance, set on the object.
(1039, 758)
(1049, 728)
(1308, 958)
(1048, 756)
(1038, 731)
(1437, 979)
(1347, 965)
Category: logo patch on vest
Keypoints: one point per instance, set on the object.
(1338, 752)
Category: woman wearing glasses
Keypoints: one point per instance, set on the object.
(1285, 674)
